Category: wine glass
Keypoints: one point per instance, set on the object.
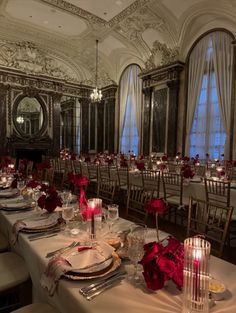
(136, 241)
(67, 215)
(112, 215)
(20, 185)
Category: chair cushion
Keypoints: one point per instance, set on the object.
(13, 270)
(3, 243)
(37, 308)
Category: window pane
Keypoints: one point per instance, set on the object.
(208, 134)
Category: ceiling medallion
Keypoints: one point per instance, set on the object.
(96, 95)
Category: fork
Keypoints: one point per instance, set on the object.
(62, 250)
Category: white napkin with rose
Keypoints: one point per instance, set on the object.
(78, 258)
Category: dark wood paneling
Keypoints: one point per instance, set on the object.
(100, 126)
(159, 120)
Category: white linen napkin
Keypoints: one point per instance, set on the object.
(50, 220)
(77, 259)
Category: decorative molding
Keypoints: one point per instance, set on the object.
(26, 57)
(163, 74)
(92, 18)
(161, 55)
(32, 84)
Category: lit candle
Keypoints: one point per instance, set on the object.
(92, 207)
(196, 264)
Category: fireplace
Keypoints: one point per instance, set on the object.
(35, 155)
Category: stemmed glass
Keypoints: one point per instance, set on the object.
(136, 241)
(67, 215)
(112, 215)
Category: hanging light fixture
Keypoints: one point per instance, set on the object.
(96, 95)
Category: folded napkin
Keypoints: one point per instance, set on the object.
(79, 258)
(8, 193)
(34, 223)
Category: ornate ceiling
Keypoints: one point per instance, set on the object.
(57, 37)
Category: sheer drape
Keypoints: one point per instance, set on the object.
(136, 96)
(195, 77)
(124, 92)
(223, 65)
(130, 109)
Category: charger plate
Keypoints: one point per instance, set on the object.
(17, 206)
(8, 193)
(114, 264)
(43, 225)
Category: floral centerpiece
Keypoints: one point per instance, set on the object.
(162, 263)
(157, 207)
(186, 171)
(50, 199)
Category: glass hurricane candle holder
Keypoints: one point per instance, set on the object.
(95, 216)
(196, 275)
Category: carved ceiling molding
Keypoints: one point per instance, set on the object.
(161, 55)
(25, 56)
(133, 26)
(33, 84)
(69, 7)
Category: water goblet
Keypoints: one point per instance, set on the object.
(136, 241)
(112, 215)
(67, 215)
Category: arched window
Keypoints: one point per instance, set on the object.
(130, 110)
(209, 96)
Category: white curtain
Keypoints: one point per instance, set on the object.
(195, 75)
(124, 92)
(136, 93)
(223, 66)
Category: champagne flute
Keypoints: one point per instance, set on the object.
(112, 215)
(67, 215)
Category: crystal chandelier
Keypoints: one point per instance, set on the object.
(96, 95)
(20, 119)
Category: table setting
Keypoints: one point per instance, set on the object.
(96, 265)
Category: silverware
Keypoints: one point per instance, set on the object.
(62, 250)
(42, 237)
(102, 287)
(85, 290)
(42, 234)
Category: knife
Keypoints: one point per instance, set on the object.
(45, 236)
(110, 283)
(85, 290)
(38, 235)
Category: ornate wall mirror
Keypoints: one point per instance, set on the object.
(29, 116)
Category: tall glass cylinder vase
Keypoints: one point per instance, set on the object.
(196, 275)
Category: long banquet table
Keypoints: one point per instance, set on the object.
(122, 298)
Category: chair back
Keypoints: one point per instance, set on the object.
(211, 220)
(173, 187)
(123, 176)
(151, 181)
(136, 200)
(106, 190)
(217, 191)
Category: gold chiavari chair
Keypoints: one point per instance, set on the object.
(136, 200)
(151, 181)
(177, 204)
(217, 191)
(77, 167)
(211, 220)
(106, 190)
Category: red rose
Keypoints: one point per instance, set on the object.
(155, 206)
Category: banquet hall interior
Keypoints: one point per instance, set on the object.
(131, 102)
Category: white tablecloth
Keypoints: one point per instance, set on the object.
(122, 298)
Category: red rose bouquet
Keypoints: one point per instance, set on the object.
(186, 171)
(161, 263)
(50, 198)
